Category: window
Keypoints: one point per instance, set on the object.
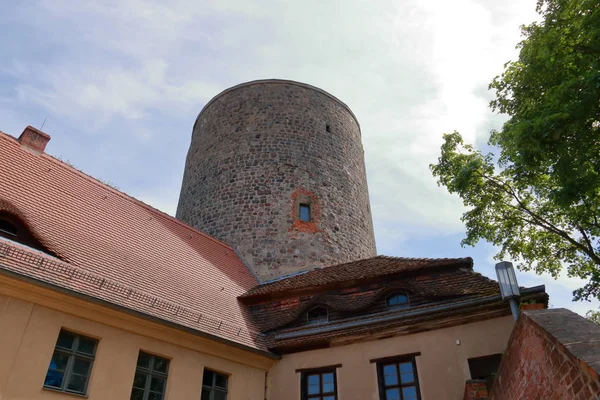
(12, 227)
(397, 300)
(398, 380)
(71, 363)
(317, 315)
(150, 379)
(214, 385)
(319, 385)
(485, 368)
(7, 229)
(305, 212)
(327, 128)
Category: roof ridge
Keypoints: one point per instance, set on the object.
(123, 195)
(420, 258)
(279, 283)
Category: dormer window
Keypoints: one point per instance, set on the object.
(13, 228)
(8, 229)
(317, 315)
(397, 300)
(304, 210)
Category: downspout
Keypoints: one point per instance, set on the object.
(266, 384)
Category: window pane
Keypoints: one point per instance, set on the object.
(54, 378)
(81, 366)
(155, 396)
(77, 383)
(160, 364)
(397, 300)
(58, 361)
(65, 340)
(406, 372)
(328, 377)
(207, 378)
(405, 367)
(218, 395)
(157, 385)
(390, 375)
(304, 212)
(139, 380)
(329, 398)
(137, 394)
(328, 385)
(205, 394)
(313, 384)
(144, 360)
(318, 314)
(409, 393)
(392, 394)
(313, 379)
(221, 380)
(86, 346)
(407, 377)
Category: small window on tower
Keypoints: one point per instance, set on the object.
(305, 212)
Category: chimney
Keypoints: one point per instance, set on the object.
(34, 139)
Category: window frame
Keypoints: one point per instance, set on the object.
(305, 373)
(150, 372)
(396, 360)
(73, 353)
(213, 387)
(309, 322)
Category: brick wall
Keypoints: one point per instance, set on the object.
(475, 389)
(261, 149)
(551, 354)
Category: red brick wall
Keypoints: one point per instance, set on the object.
(552, 354)
(475, 390)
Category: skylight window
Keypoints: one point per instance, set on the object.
(7, 229)
(397, 300)
(317, 315)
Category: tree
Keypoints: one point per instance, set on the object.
(539, 200)
(593, 316)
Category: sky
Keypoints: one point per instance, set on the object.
(119, 83)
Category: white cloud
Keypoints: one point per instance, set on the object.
(410, 70)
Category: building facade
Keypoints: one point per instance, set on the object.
(105, 297)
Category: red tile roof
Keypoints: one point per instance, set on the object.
(102, 234)
(356, 270)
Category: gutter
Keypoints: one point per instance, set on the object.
(414, 313)
(268, 354)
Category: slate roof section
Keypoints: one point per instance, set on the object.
(451, 282)
(357, 270)
(98, 230)
(427, 316)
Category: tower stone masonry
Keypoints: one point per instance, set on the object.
(276, 170)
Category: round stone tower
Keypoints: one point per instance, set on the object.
(276, 170)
